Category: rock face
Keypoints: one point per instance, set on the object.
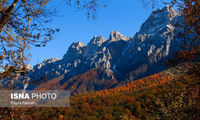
(115, 36)
(156, 41)
(116, 60)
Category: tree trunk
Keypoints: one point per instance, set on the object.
(6, 15)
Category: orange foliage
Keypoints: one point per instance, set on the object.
(189, 54)
(61, 117)
(147, 82)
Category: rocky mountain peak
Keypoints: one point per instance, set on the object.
(158, 19)
(29, 67)
(76, 45)
(167, 12)
(74, 51)
(171, 12)
(96, 40)
(115, 36)
(93, 45)
(45, 62)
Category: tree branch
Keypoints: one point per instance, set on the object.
(5, 17)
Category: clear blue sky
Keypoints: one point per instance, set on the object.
(125, 16)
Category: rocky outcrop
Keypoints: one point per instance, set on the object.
(115, 36)
(121, 58)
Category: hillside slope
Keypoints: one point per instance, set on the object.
(170, 95)
(173, 94)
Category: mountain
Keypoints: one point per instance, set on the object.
(103, 64)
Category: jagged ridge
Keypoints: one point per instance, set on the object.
(121, 58)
